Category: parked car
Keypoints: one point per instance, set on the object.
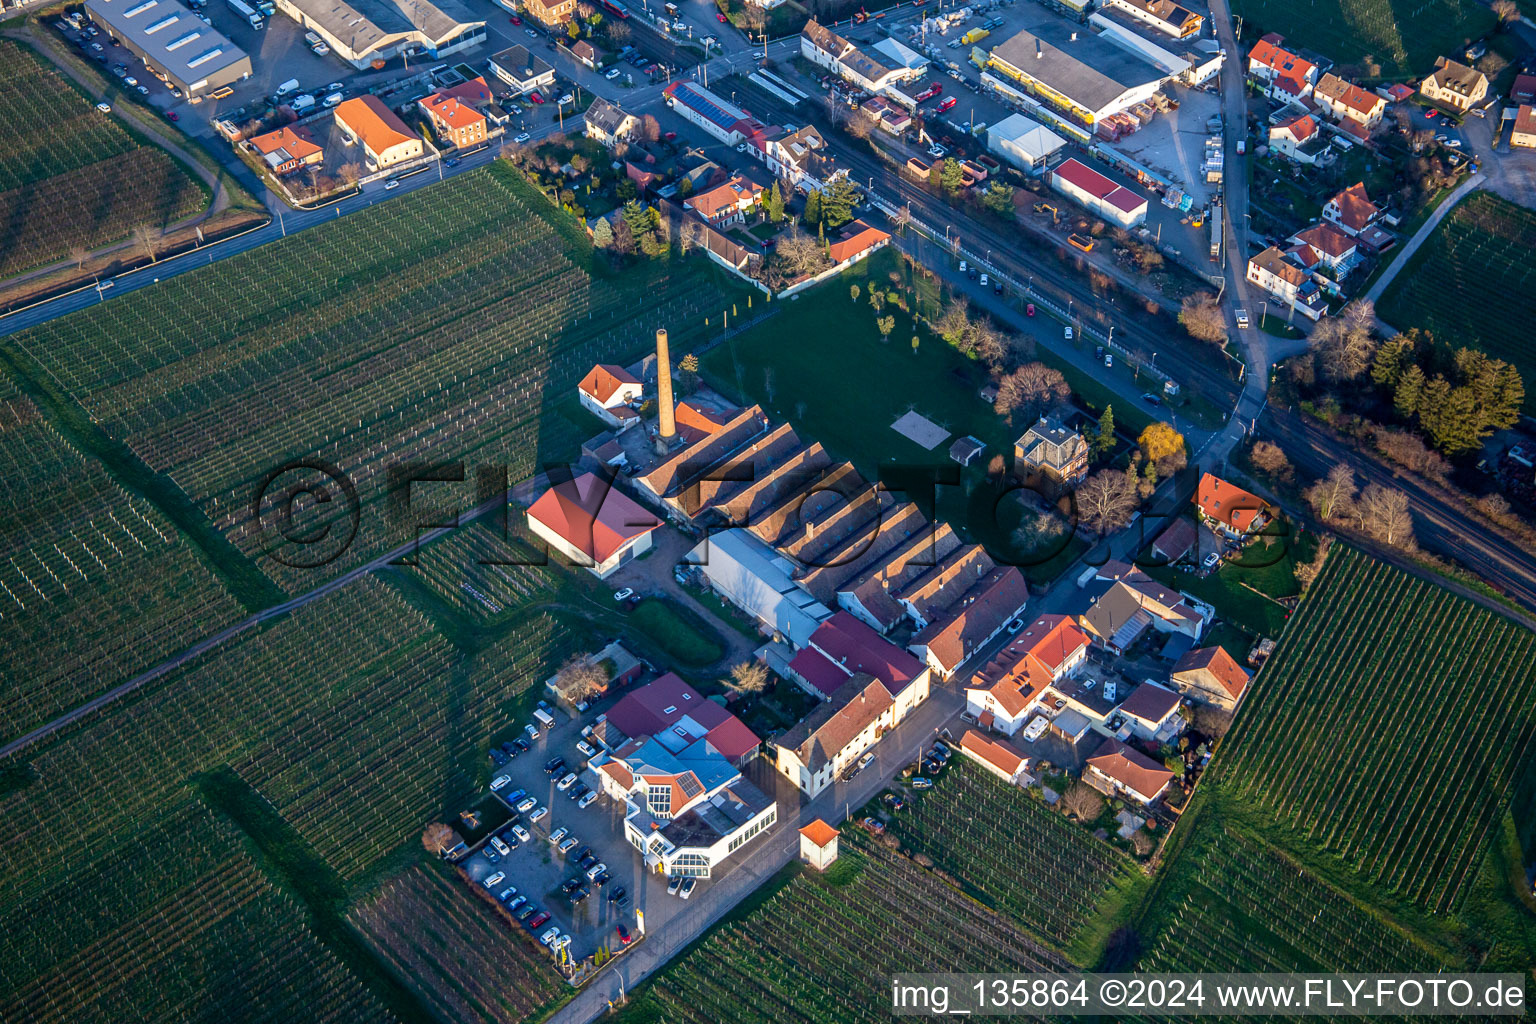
(612, 74)
(1211, 560)
(596, 869)
(1431, 113)
(549, 937)
(603, 879)
(499, 846)
(515, 904)
(1109, 359)
(538, 920)
(497, 758)
(105, 108)
(624, 595)
(521, 137)
(919, 782)
(673, 883)
(521, 833)
(526, 804)
(587, 750)
(686, 889)
(500, 782)
(539, 814)
(566, 845)
(553, 765)
(491, 856)
(566, 782)
(558, 835)
(1029, 310)
(985, 280)
(521, 744)
(622, 931)
(494, 880)
(583, 854)
(516, 20)
(617, 894)
(528, 910)
(578, 791)
(587, 800)
(874, 826)
(578, 894)
(1067, 333)
(1151, 399)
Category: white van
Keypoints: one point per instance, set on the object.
(292, 85)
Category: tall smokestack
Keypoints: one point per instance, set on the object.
(666, 424)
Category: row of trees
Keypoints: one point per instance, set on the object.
(1381, 512)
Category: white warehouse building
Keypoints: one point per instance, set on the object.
(1025, 143)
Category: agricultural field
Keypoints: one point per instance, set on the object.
(96, 584)
(1231, 902)
(1388, 729)
(1008, 850)
(436, 329)
(1402, 37)
(171, 921)
(70, 176)
(483, 576)
(452, 949)
(835, 942)
(1482, 295)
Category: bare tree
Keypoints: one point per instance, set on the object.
(1385, 515)
(1307, 572)
(1505, 10)
(1267, 457)
(1201, 316)
(1031, 390)
(145, 237)
(748, 677)
(1106, 500)
(799, 253)
(1409, 450)
(618, 32)
(1082, 802)
(79, 254)
(438, 838)
(1333, 497)
(579, 679)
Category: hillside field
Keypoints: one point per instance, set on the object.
(71, 176)
(1403, 36)
(1471, 284)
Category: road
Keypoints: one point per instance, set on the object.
(1443, 527)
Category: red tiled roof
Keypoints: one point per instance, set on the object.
(997, 753)
(861, 237)
(1227, 503)
(451, 111)
(592, 516)
(1222, 666)
(1302, 127)
(1282, 61)
(1356, 210)
(1327, 239)
(663, 702)
(1525, 120)
(1524, 87)
(374, 123)
(843, 646)
(727, 196)
(296, 141)
(1131, 768)
(1100, 187)
(604, 379)
(978, 614)
(1021, 671)
(1174, 543)
(1348, 94)
(819, 832)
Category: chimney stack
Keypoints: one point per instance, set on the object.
(666, 426)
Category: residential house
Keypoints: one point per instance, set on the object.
(857, 241)
(673, 759)
(609, 123)
(1127, 602)
(455, 113)
(287, 150)
(1118, 770)
(592, 524)
(1057, 451)
(1176, 542)
(971, 621)
(726, 204)
(802, 158)
(1151, 713)
(842, 646)
(1285, 279)
(607, 391)
(1008, 690)
(524, 70)
(825, 48)
(1209, 675)
(837, 732)
(550, 13)
(1523, 136)
(385, 139)
(585, 52)
(1299, 138)
(1347, 101)
(996, 756)
(1282, 75)
(1333, 247)
(1352, 212)
(1455, 85)
(1227, 508)
(1166, 16)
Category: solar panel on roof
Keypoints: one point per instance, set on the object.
(690, 785)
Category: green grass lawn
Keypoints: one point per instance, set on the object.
(675, 634)
(1267, 566)
(1470, 283)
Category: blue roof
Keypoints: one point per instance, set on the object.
(710, 106)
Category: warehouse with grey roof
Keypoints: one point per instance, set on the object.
(1070, 68)
(174, 42)
(361, 31)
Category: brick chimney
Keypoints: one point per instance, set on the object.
(666, 426)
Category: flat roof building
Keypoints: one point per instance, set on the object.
(1026, 144)
(171, 39)
(361, 31)
(1073, 70)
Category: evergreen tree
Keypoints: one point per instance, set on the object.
(1409, 392)
(813, 207)
(1104, 438)
(602, 233)
(1392, 359)
(838, 201)
(774, 205)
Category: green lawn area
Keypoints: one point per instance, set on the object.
(675, 634)
(1238, 591)
(1481, 292)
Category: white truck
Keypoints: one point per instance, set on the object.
(247, 12)
(544, 717)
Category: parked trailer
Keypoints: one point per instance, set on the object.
(247, 12)
(1216, 233)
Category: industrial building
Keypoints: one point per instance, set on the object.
(362, 31)
(1073, 70)
(725, 121)
(174, 42)
(1110, 200)
(1026, 144)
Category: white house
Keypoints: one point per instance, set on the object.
(1151, 712)
(818, 844)
(1347, 101)
(1120, 770)
(1333, 247)
(607, 391)
(802, 158)
(592, 524)
(1005, 692)
(835, 735)
(997, 757)
(825, 48)
(1281, 74)
(1287, 281)
(1300, 139)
